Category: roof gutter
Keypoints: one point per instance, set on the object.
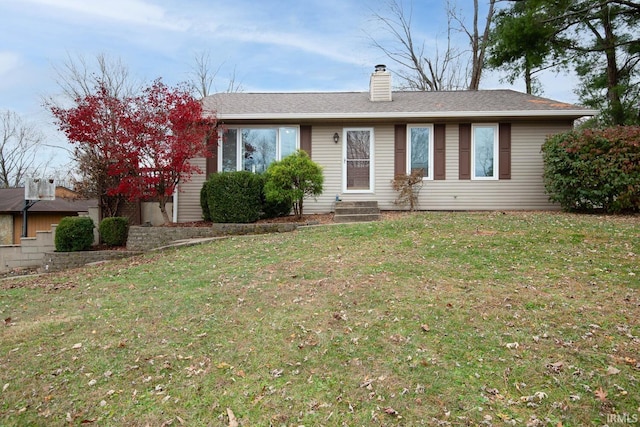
(408, 115)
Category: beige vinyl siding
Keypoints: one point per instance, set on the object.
(524, 191)
(328, 154)
(189, 194)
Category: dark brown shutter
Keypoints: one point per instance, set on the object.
(400, 151)
(439, 148)
(212, 161)
(464, 144)
(504, 157)
(305, 139)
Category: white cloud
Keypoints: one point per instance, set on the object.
(9, 61)
(136, 12)
(324, 47)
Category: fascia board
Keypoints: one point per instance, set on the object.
(408, 115)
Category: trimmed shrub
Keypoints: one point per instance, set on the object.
(594, 169)
(269, 208)
(293, 179)
(234, 197)
(114, 230)
(74, 233)
(204, 200)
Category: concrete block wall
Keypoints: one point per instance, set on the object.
(147, 238)
(58, 261)
(29, 254)
(39, 251)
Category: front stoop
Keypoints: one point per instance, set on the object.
(356, 212)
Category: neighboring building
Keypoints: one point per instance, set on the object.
(41, 215)
(479, 150)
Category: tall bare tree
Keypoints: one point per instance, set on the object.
(203, 76)
(19, 145)
(457, 67)
(417, 70)
(478, 38)
(78, 77)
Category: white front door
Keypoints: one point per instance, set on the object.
(358, 163)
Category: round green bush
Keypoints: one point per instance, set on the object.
(114, 231)
(74, 233)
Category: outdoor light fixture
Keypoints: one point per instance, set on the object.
(336, 137)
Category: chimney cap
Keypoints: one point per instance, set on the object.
(380, 67)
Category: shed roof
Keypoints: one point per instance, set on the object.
(12, 201)
(409, 105)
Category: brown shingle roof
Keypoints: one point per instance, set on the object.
(341, 105)
(12, 201)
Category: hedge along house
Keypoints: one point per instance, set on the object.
(479, 150)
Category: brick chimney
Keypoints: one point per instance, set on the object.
(380, 84)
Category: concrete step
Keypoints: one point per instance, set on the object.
(357, 204)
(356, 211)
(356, 218)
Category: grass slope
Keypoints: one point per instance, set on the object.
(430, 319)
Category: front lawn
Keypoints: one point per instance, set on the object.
(426, 319)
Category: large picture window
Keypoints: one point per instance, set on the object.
(420, 150)
(255, 148)
(484, 151)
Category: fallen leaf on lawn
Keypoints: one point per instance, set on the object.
(600, 394)
(512, 345)
(223, 365)
(7, 321)
(391, 411)
(5, 387)
(77, 346)
(612, 370)
(233, 422)
(555, 367)
(425, 327)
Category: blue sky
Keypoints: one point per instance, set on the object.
(273, 45)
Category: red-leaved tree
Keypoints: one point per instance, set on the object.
(96, 125)
(148, 141)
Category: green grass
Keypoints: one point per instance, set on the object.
(430, 319)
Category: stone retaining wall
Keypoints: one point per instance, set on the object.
(58, 261)
(147, 238)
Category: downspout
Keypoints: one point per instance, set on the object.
(175, 204)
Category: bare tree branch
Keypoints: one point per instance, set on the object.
(203, 76)
(19, 144)
(76, 77)
(416, 70)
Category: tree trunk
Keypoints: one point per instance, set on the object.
(527, 77)
(613, 77)
(479, 44)
(162, 202)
